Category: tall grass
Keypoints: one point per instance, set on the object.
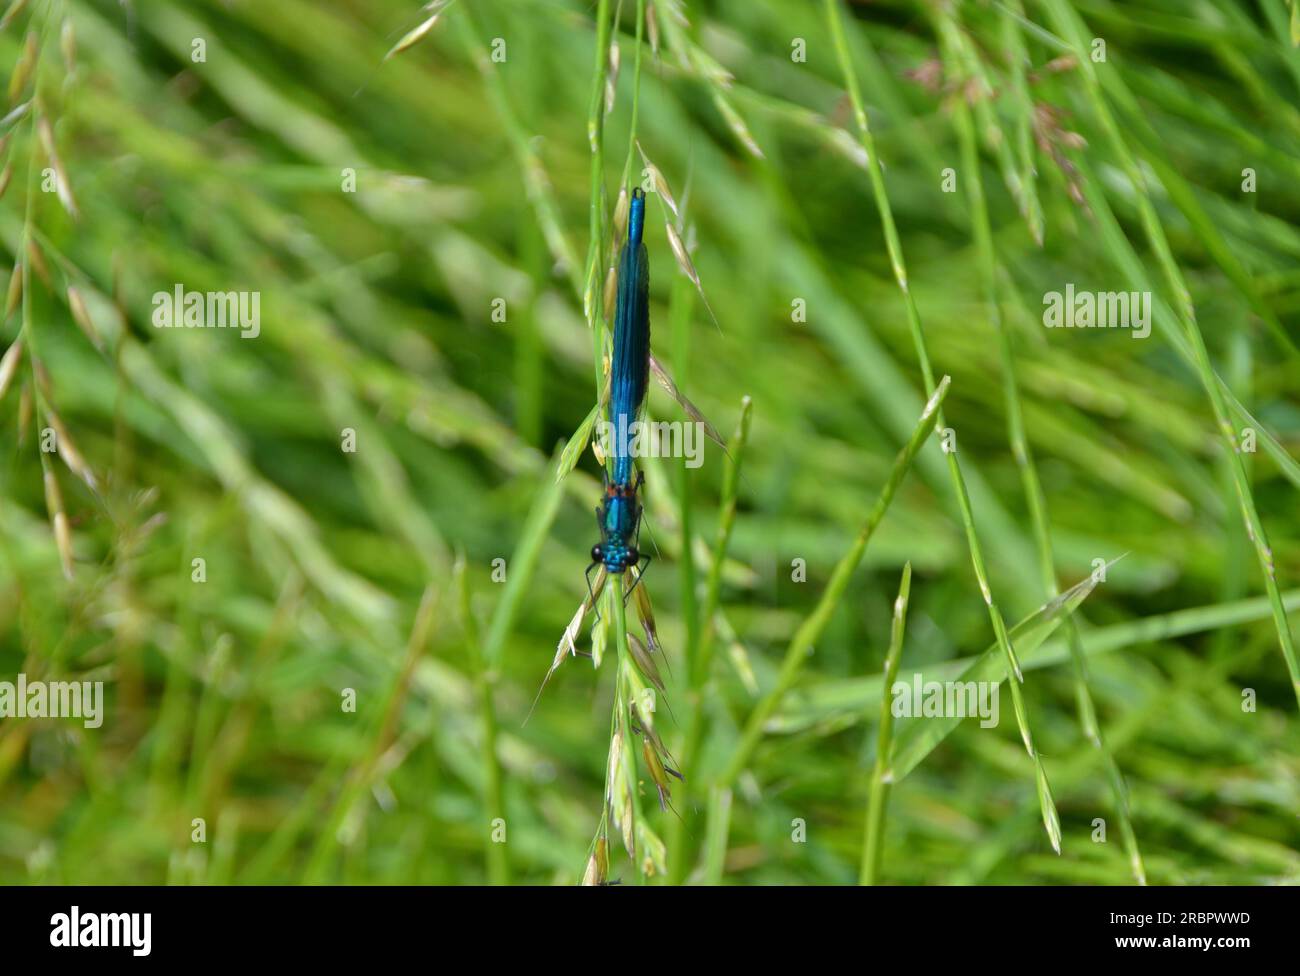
(431, 571)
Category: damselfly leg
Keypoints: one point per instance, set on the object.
(636, 577)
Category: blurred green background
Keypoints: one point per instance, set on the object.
(474, 182)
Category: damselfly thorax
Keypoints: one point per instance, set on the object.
(619, 518)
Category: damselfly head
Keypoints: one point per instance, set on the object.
(615, 557)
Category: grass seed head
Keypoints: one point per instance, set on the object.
(81, 315)
(9, 365)
(23, 69)
(652, 27)
(644, 662)
(61, 184)
(71, 456)
(418, 33)
(646, 613)
(37, 259)
(620, 794)
(657, 773)
(738, 128)
(660, 183)
(16, 114)
(679, 252)
(59, 521)
(597, 872)
(611, 77)
(599, 641)
(568, 640)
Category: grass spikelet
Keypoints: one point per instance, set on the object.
(737, 125)
(61, 185)
(848, 147)
(1051, 819)
(664, 380)
(659, 183)
(652, 27)
(58, 518)
(621, 803)
(37, 260)
(71, 455)
(576, 444)
(611, 77)
(679, 251)
(15, 114)
(657, 773)
(646, 613)
(23, 69)
(418, 33)
(597, 873)
(567, 645)
(81, 315)
(9, 365)
(6, 175)
(644, 661)
(688, 266)
(599, 642)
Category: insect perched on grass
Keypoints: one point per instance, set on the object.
(619, 513)
(619, 518)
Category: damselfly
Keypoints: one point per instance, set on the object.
(619, 513)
